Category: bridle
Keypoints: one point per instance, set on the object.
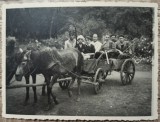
(29, 71)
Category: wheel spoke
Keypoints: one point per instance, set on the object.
(129, 79)
(127, 71)
(65, 83)
(99, 76)
(131, 75)
(124, 79)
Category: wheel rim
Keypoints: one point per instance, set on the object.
(127, 72)
(99, 76)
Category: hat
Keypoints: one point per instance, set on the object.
(121, 36)
(112, 35)
(80, 37)
(88, 37)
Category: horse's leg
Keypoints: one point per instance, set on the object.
(70, 87)
(79, 84)
(27, 90)
(34, 87)
(54, 98)
(43, 88)
(53, 81)
(48, 78)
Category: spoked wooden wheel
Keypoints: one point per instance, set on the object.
(127, 72)
(99, 79)
(64, 84)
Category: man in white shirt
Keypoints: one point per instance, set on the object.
(96, 43)
(71, 42)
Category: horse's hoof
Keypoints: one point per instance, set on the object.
(70, 93)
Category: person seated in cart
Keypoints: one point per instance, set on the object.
(80, 44)
(89, 46)
(106, 46)
(85, 47)
(114, 40)
(96, 43)
(89, 50)
(122, 44)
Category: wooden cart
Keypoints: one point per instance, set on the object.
(95, 71)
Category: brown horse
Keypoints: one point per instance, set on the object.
(51, 62)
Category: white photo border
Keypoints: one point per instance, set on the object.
(154, 103)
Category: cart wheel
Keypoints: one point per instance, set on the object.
(99, 76)
(106, 74)
(127, 71)
(64, 84)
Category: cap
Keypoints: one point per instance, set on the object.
(121, 36)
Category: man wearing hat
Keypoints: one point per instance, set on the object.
(120, 45)
(114, 41)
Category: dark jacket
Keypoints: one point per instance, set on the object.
(81, 47)
(89, 49)
(122, 46)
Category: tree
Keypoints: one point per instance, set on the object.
(51, 22)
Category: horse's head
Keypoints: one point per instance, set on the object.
(23, 62)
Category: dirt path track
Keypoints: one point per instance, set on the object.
(114, 100)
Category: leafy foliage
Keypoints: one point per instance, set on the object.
(39, 22)
(50, 25)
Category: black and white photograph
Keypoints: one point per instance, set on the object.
(89, 61)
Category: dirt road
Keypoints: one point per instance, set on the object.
(114, 100)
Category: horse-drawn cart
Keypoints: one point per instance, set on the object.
(95, 70)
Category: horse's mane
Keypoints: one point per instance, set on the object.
(48, 56)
